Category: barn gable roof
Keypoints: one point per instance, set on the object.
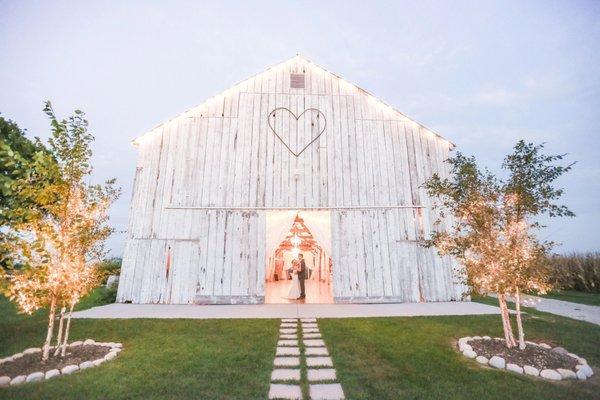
(311, 64)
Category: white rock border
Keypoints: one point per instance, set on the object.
(115, 349)
(582, 369)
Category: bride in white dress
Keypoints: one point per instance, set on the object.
(294, 292)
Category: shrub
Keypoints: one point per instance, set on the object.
(108, 295)
(576, 271)
(109, 266)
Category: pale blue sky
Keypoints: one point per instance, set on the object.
(483, 74)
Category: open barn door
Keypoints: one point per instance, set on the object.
(290, 236)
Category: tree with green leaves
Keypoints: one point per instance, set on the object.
(27, 170)
(493, 233)
(60, 246)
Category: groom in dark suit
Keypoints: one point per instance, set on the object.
(302, 276)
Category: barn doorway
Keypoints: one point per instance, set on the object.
(289, 235)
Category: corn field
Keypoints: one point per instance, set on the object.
(576, 271)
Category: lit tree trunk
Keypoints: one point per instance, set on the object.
(46, 347)
(519, 322)
(66, 338)
(60, 330)
(508, 334)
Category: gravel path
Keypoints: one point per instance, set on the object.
(582, 312)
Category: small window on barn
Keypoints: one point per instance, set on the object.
(297, 81)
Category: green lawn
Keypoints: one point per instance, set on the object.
(161, 359)
(413, 358)
(376, 358)
(592, 299)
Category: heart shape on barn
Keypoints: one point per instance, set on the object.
(286, 111)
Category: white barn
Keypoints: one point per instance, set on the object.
(294, 159)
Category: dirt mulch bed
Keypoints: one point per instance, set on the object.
(535, 356)
(30, 363)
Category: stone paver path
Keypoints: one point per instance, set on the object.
(295, 346)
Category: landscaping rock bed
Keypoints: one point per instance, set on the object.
(535, 356)
(28, 367)
(536, 359)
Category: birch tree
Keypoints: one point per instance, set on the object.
(493, 234)
(59, 247)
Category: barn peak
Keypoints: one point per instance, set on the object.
(296, 68)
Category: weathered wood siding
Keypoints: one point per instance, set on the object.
(223, 154)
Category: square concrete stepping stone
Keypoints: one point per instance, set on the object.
(278, 391)
(316, 351)
(287, 330)
(309, 326)
(288, 336)
(314, 343)
(288, 325)
(312, 336)
(289, 320)
(286, 361)
(288, 342)
(308, 319)
(286, 375)
(288, 351)
(310, 330)
(327, 391)
(322, 374)
(319, 362)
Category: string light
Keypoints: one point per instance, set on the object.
(295, 240)
(343, 83)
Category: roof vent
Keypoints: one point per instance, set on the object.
(297, 81)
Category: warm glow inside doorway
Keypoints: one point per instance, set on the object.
(290, 232)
